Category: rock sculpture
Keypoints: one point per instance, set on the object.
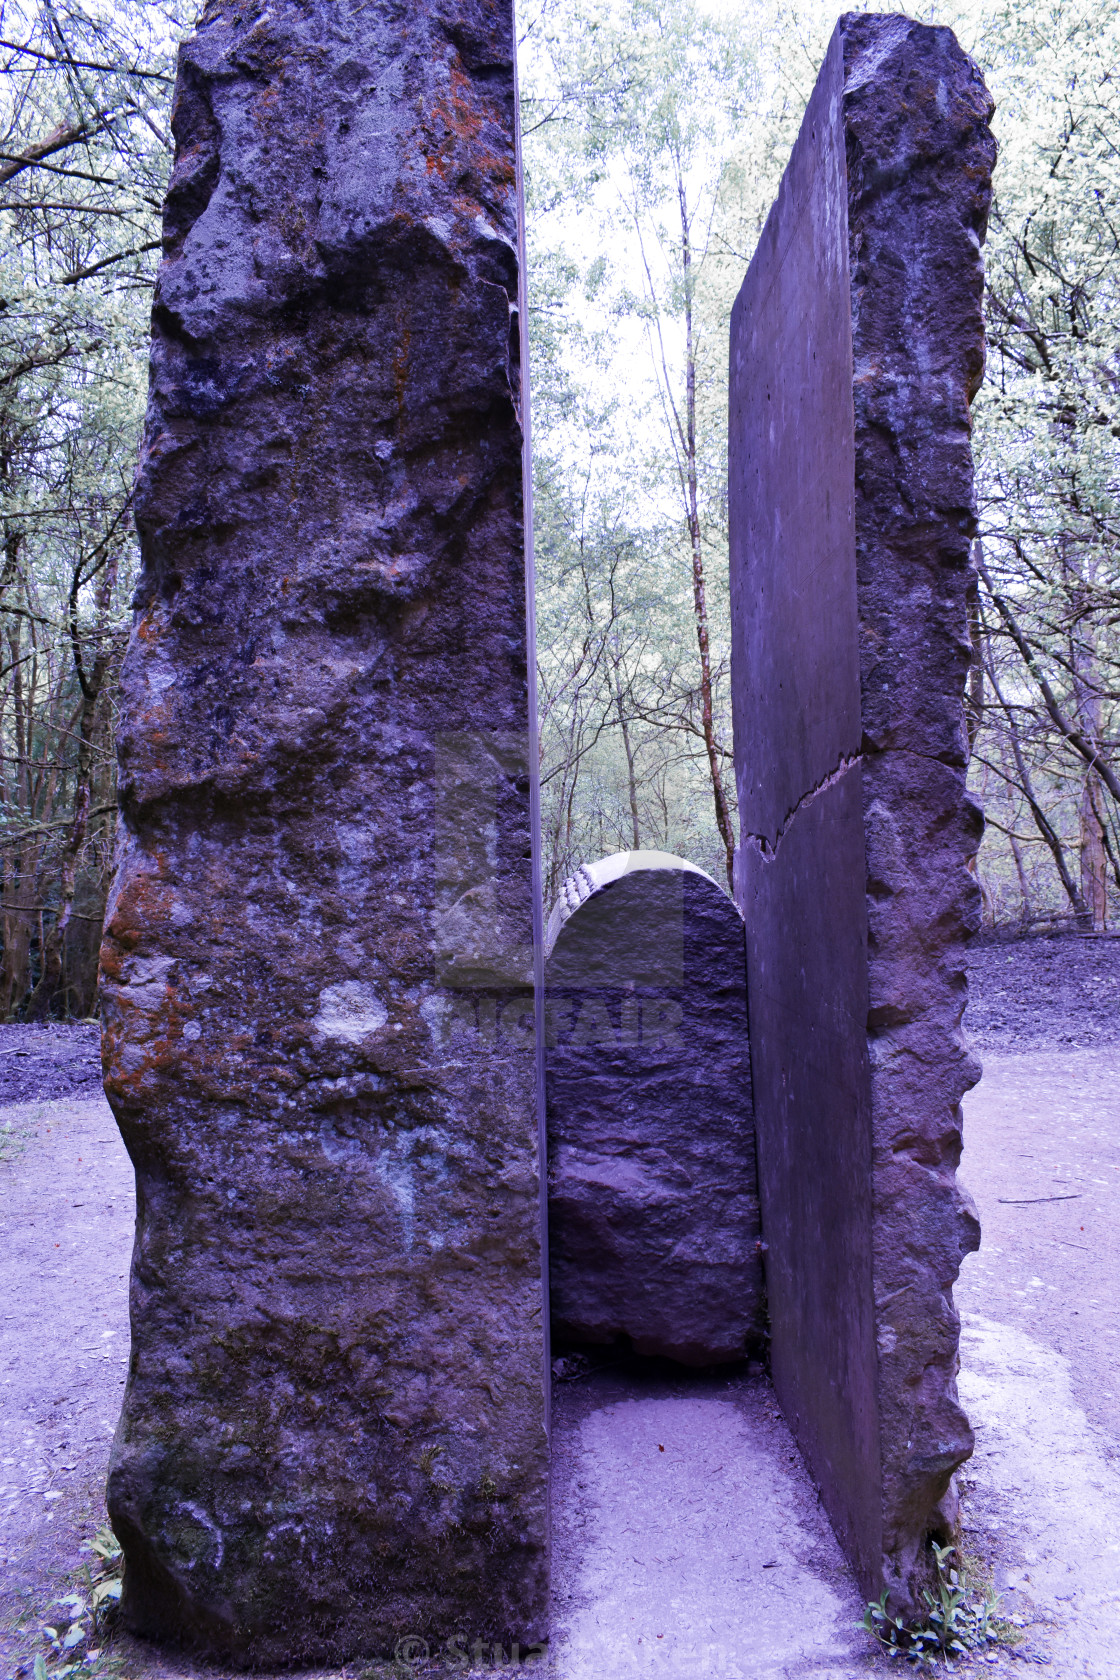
(857, 344)
(652, 1199)
(334, 1431)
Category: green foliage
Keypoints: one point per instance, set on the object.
(637, 110)
(630, 114)
(12, 1141)
(84, 157)
(76, 1640)
(16, 1134)
(962, 1616)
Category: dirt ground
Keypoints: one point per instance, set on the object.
(1045, 992)
(687, 1536)
(40, 1063)
(66, 1211)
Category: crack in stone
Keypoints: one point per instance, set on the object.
(768, 850)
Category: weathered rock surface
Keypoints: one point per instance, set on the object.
(652, 1198)
(318, 959)
(857, 345)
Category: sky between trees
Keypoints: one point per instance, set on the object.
(654, 139)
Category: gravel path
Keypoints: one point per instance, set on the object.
(1041, 1349)
(66, 1213)
(688, 1540)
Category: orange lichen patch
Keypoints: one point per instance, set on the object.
(132, 1081)
(460, 113)
(458, 126)
(142, 901)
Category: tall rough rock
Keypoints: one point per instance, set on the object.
(652, 1183)
(857, 345)
(318, 963)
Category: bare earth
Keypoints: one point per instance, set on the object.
(687, 1537)
(66, 1212)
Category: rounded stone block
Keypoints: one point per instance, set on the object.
(653, 1200)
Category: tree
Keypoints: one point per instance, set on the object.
(645, 125)
(1048, 425)
(84, 156)
(630, 114)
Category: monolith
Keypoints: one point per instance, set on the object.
(857, 344)
(318, 963)
(652, 1184)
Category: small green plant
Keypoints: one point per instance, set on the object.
(962, 1615)
(13, 1141)
(75, 1639)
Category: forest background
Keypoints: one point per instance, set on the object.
(654, 135)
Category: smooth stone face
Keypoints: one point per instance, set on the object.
(795, 684)
(652, 1201)
(857, 342)
(318, 965)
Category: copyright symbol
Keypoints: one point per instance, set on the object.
(412, 1649)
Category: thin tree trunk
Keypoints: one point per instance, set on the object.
(699, 590)
(20, 892)
(1026, 914)
(974, 711)
(1085, 662)
(91, 681)
(1089, 751)
(1094, 863)
(48, 985)
(1026, 787)
(1109, 849)
(631, 779)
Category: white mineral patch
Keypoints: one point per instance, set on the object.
(395, 1171)
(145, 981)
(349, 1011)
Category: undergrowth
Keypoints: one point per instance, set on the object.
(76, 1640)
(13, 1141)
(961, 1617)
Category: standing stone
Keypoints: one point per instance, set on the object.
(857, 344)
(653, 1197)
(318, 963)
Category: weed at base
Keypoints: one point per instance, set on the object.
(77, 1644)
(962, 1617)
(13, 1141)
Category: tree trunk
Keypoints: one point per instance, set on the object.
(48, 988)
(1094, 863)
(1084, 657)
(974, 708)
(627, 747)
(1025, 785)
(1026, 915)
(699, 590)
